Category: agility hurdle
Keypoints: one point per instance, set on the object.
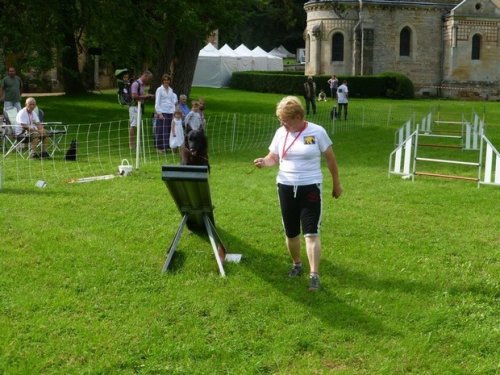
(469, 133)
(403, 161)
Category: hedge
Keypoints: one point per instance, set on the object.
(389, 84)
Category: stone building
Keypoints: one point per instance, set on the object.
(446, 47)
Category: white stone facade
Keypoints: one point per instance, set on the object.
(445, 47)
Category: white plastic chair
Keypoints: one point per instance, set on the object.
(11, 141)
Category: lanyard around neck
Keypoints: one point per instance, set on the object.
(285, 149)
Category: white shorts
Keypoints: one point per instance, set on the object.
(132, 114)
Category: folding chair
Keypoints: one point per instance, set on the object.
(11, 141)
(56, 132)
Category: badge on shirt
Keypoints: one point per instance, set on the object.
(309, 140)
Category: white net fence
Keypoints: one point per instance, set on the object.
(102, 146)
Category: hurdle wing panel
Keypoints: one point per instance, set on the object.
(491, 164)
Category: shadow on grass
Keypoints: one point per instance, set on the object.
(325, 304)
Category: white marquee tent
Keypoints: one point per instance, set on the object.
(281, 52)
(213, 68)
(273, 62)
(256, 63)
(243, 62)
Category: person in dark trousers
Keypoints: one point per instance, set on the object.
(310, 94)
(297, 148)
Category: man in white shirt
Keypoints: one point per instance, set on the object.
(27, 121)
(342, 99)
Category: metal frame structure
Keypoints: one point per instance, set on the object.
(188, 185)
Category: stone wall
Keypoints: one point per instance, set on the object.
(440, 47)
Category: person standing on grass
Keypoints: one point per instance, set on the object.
(11, 90)
(333, 82)
(165, 105)
(297, 147)
(342, 99)
(193, 120)
(138, 95)
(310, 94)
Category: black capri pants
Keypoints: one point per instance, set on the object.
(300, 205)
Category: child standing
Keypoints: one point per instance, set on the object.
(193, 120)
(176, 131)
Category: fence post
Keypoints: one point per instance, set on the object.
(233, 138)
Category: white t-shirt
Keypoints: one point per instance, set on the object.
(194, 120)
(301, 163)
(342, 92)
(26, 118)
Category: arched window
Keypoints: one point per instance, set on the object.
(476, 47)
(338, 47)
(405, 41)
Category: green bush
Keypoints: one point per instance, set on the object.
(398, 86)
(392, 85)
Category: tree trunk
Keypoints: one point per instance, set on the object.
(185, 66)
(72, 80)
(165, 57)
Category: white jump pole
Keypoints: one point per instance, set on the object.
(138, 141)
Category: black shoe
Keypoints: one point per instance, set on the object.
(314, 283)
(296, 270)
(34, 155)
(45, 155)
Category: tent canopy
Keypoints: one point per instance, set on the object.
(272, 62)
(214, 67)
(282, 52)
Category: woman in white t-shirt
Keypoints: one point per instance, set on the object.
(165, 104)
(297, 147)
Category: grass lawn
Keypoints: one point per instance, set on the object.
(410, 271)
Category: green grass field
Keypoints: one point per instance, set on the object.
(410, 270)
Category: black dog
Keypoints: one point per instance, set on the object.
(71, 153)
(195, 149)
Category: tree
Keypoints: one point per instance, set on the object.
(162, 35)
(181, 30)
(268, 24)
(49, 32)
